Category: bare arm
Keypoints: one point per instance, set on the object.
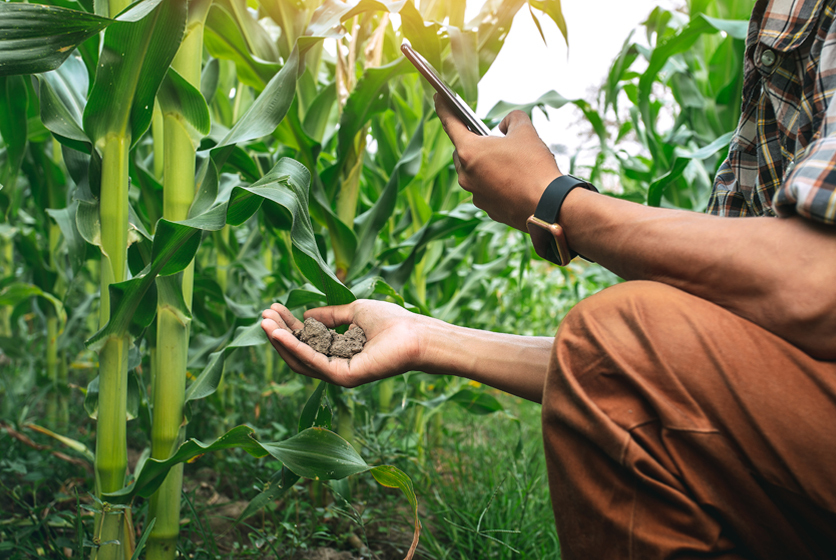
(779, 273)
(400, 341)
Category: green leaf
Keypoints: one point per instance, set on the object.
(258, 40)
(179, 98)
(175, 244)
(657, 187)
(278, 485)
(15, 293)
(477, 402)
(36, 38)
(271, 106)
(552, 9)
(360, 103)
(140, 545)
(314, 408)
(441, 225)
(63, 95)
(154, 470)
(376, 285)
(76, 246)
(14, 100)
(134, 60)
(551, 99)
(303, 297)
(678, 43)
(333, 12)
(738, 29)
(316, 118)
(224, 40)
(494, 23)
(319, 454)
(392, 477)
(207, 381)
(368, 225)
(463, 45)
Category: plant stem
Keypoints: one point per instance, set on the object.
(52, 369)
(7, 267)
(157, 134)
(269, 352)
(168, 428)
(111, 446)
(385, 390)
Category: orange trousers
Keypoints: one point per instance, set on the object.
(676, 429)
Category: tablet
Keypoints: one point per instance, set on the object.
(460, 108)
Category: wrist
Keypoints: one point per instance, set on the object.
(434, 343)
(545, 225)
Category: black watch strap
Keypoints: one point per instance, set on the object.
(548, 209)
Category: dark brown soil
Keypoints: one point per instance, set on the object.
(330, 342)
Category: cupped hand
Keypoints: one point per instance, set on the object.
(507, 175)
(392, 341)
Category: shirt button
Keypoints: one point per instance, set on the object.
(767, 58)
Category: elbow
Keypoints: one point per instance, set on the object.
(809, 320)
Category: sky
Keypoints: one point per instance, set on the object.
(526, 67)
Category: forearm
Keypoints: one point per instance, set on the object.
(775, 272)
(515, 364)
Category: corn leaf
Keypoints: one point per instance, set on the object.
(36, 38)
(657, 187)
(175, 244)
(134, 60)
(441, 225)
(552, 9)
(369, 224)
(63, 95)
(224, 40)
(463, 47)
(14, 99)
(178, 97)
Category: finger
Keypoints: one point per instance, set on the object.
(457, 162)
(270, 327)
(513, 121)
(455, 129)
(299, 356)
(292, 322)
(273, 316)
(333, 315)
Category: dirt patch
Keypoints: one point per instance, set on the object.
(330, 342)
(325, 554)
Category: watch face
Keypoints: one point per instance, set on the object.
(549, 241)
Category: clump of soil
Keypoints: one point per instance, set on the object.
(330, 342)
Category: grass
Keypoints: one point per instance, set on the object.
(480, 480)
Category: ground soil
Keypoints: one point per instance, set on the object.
(330, 342)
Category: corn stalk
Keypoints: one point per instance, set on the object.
(168, 427)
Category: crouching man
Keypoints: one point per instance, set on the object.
(691, 411)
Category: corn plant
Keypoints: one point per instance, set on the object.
(259, 143)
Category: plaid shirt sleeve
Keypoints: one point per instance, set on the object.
(809, 189)
(782, 159)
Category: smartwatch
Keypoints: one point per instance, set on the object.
(546, 234)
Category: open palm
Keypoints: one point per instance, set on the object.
(393, 343)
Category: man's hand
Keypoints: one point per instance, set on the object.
(506, 175)
(392, 341)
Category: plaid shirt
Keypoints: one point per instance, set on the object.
(782, 158)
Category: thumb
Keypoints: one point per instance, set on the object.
(334, 315)
(455, 129)
(513, 121)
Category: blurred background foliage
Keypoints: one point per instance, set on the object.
(387, 219)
